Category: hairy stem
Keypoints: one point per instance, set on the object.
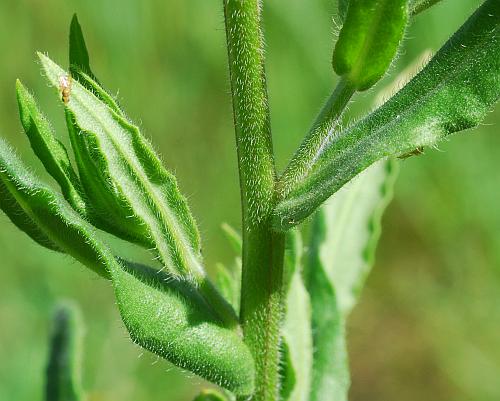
(321, 132)
(261, 295)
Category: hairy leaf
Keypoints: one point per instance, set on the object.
(344, 236)
(42, 214)
(368, 40)
(168, 317)
(49, 150)
(452, 93)
(297, 335)
(163, 314)
(63, 373)
(125, 180)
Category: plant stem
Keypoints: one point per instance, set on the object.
(322, 130)
(263, 250)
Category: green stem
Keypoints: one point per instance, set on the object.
(261, 306)
(263, 250)
(324, 127)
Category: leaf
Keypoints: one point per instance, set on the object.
(228, 283)
(330, 377)
(125, 181)
(49, 150)
(78, 54)
(353, 227)
(417, 6)
(168, 317)
(63, 368)
(163, 314)
(79, 66)
(234, 238)
(452, 93)
(344, 236)
(368, 40)
(43, 215)
(297, 335)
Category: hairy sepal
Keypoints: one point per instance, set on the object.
(452, 93)
(163, 314)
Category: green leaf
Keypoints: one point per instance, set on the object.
(163, 314)
(417, 6)
(125, 181)
(79, 66)
(297, 327)
(78, 54)
(330, 377)
(368, 40)
(353, 227)
(168, 317)
(344, 236)
(49, 150)
(452, 93)
(43, 215)
(228, 282)
(233, 237)
(64, 366)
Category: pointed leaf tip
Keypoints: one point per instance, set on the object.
(78, 53)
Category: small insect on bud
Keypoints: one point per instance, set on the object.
(65, 88)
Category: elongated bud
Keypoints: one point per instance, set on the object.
(369, 40)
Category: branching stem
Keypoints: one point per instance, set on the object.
(324, 127)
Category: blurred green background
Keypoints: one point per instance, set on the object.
(428, 326)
